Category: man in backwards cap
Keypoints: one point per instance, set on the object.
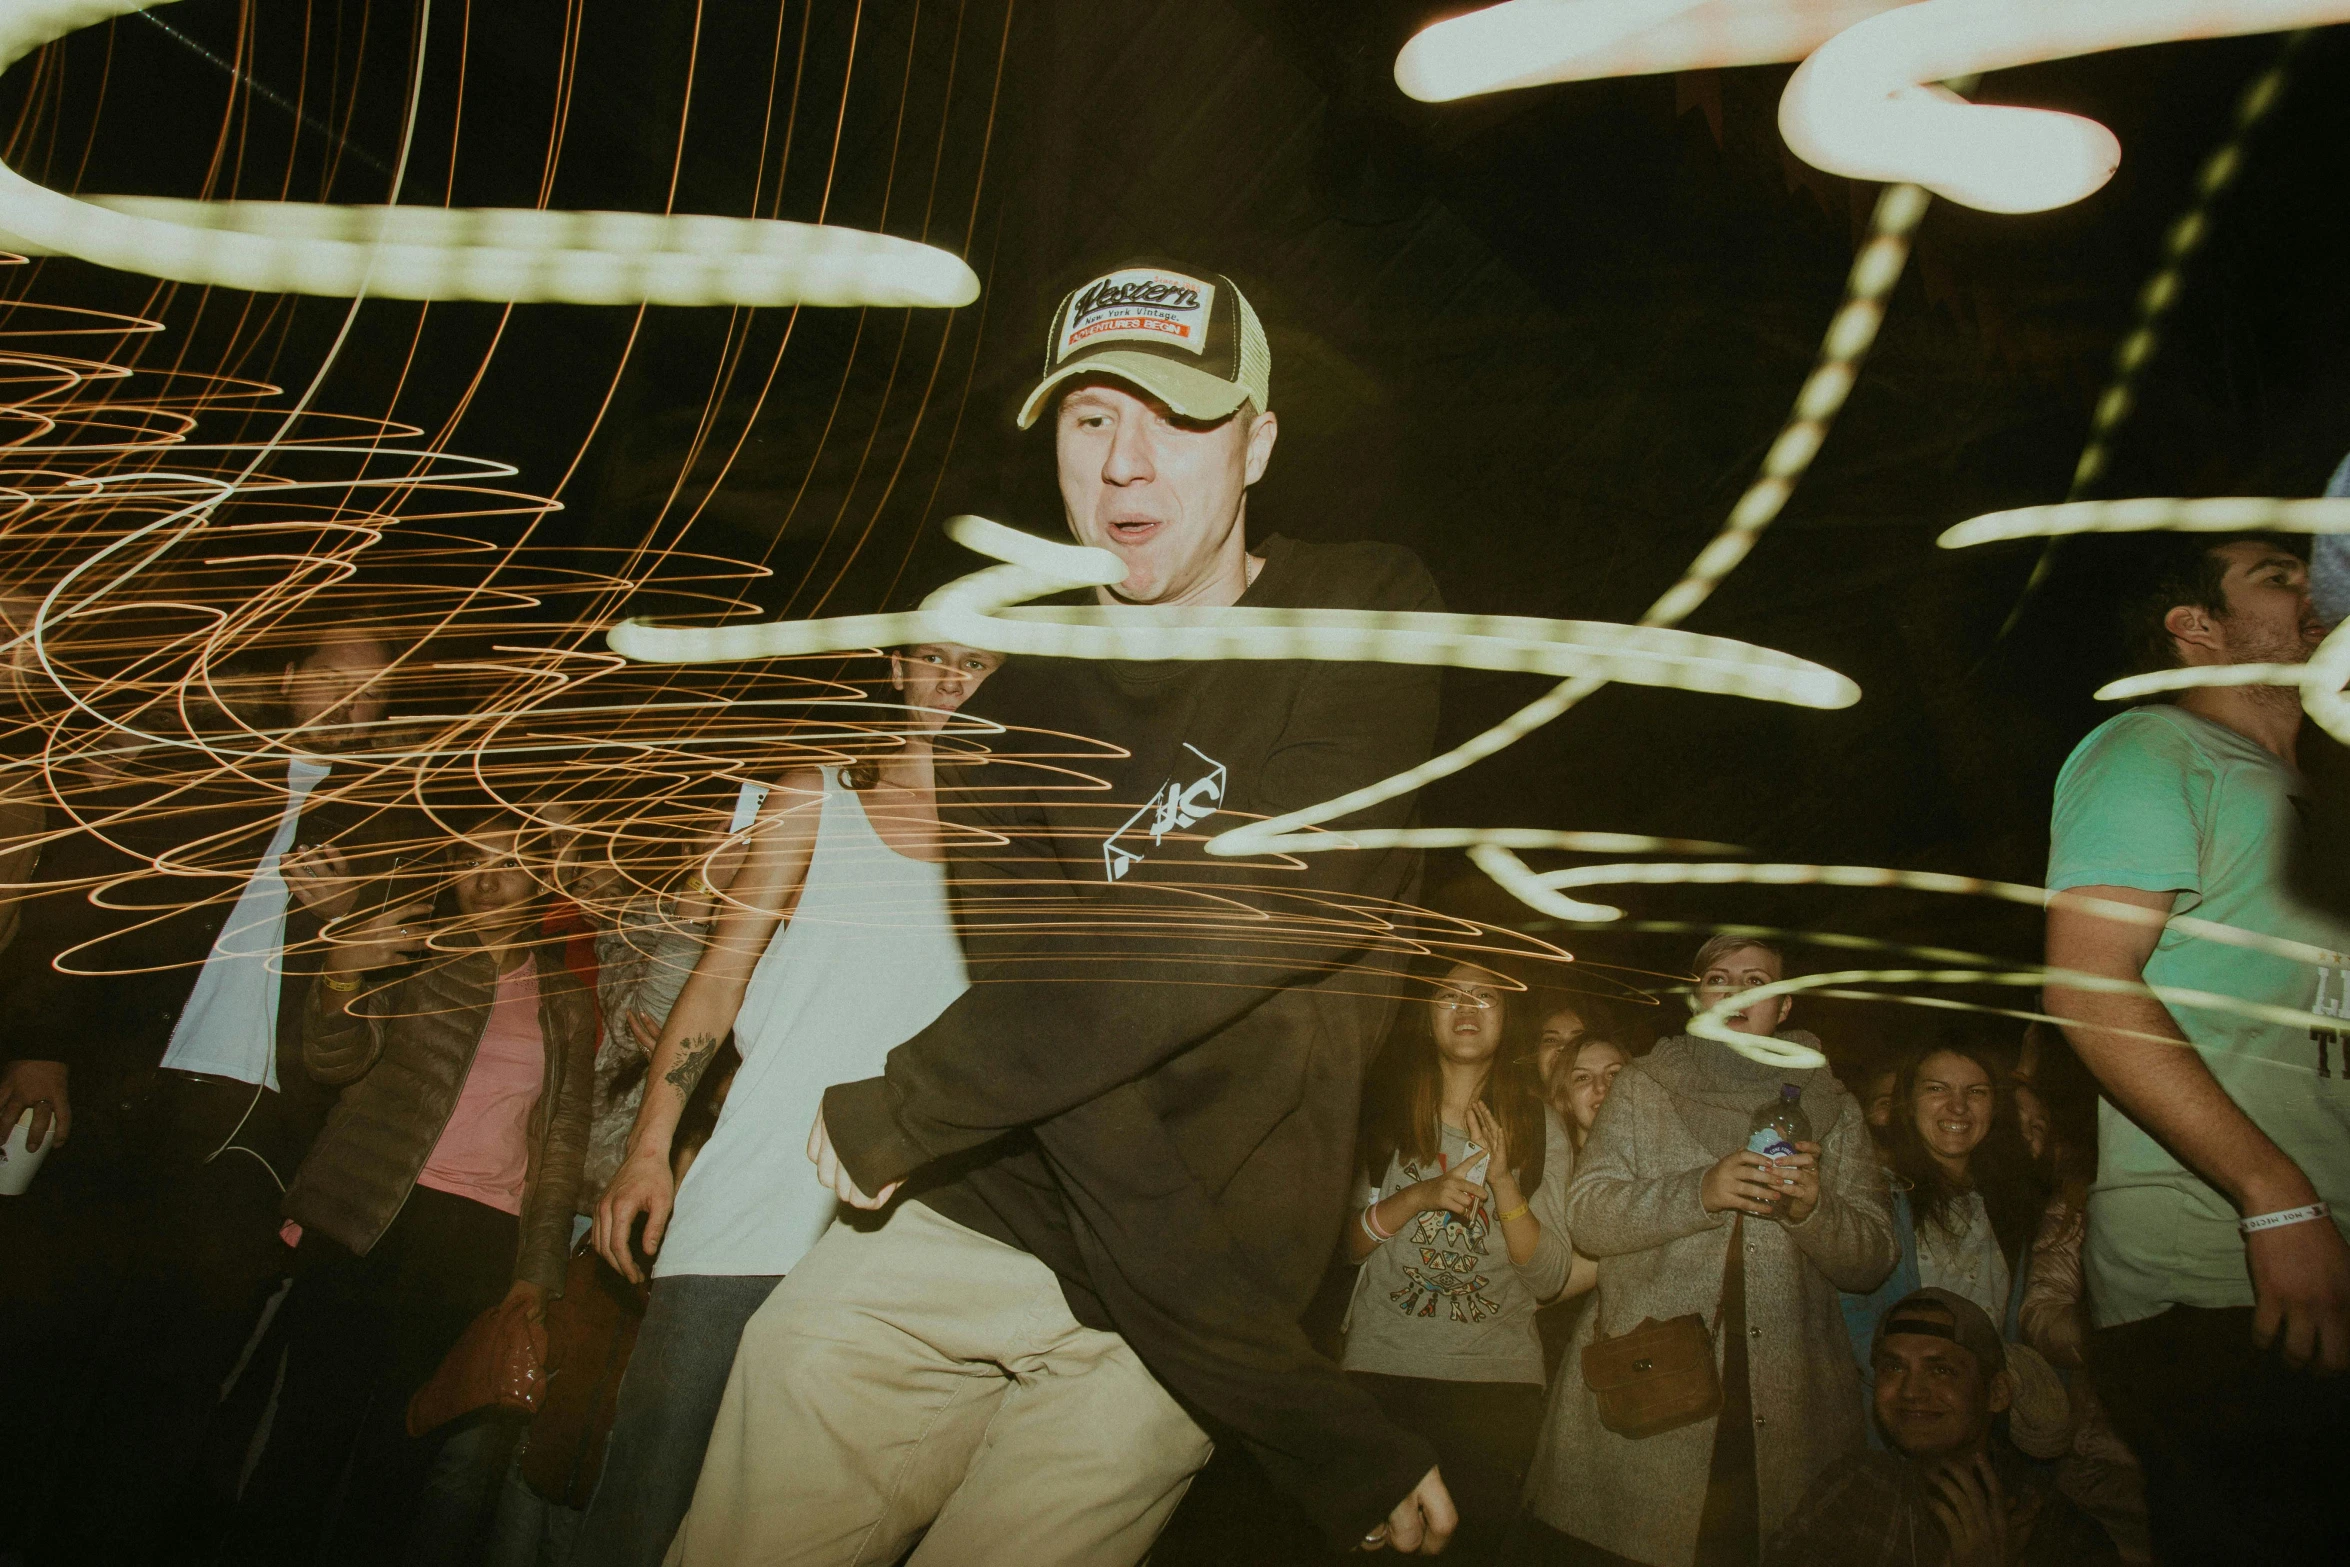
(1130, 1151)
(1953, 1490)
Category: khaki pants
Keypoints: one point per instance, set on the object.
(925, 1377)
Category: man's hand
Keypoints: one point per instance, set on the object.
(1965, 1495)
(532, 1296)
(831, 1172)
(321, 878)
(2300, 1272)
(1798, 1181)
(642, 1185)
(38, 1086)
(1739, 1182)
(1422, 1523)
(2301, 1284)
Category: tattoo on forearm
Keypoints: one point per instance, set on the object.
(693, 1059)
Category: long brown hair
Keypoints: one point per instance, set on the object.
(2000, 1167)
(1404, 1118)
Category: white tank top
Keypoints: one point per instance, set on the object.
(867, 959)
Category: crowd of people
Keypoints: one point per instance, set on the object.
(908, 1163)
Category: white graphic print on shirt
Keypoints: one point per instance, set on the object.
(1175, 805)
(1452, 1253)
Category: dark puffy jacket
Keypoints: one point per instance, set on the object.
(401, 1059)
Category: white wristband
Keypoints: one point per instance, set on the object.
(2283, 1217)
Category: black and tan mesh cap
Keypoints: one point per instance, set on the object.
(1967, 1325)
(1188, 338)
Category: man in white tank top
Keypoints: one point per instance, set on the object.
(832, 943)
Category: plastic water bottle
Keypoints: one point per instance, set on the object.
(1776, 1127)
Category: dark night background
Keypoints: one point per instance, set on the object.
(1541, 338)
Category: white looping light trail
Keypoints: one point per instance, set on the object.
(1864, 103)
(2148, 514)
(2320, 681)
(1713, 1022)
(495, 254)
(1747, 873)
(980, 611)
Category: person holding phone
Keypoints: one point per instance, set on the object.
(1464, 1235)
(442, 1185)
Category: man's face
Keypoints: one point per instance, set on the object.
(939, 677)
(1932, 1397)
(1743, 968)
(1164, 494)
(2270, 619)
(338, 683)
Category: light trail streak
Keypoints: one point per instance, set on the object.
(1864, 104)
(1751, 874)
(497, 254)
(2160, 296)
(2320, 681)
(978, 611)
(1712, 1022)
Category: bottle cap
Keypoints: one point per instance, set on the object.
(1790, 1091)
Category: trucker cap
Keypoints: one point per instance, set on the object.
(1186, 337)
(1968, 1326)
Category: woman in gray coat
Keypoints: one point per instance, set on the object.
(1683, 1219)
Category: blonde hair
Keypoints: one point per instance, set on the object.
(1723, 945)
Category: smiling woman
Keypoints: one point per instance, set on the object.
(1967, 1196)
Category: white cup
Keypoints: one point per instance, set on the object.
(19, 1164)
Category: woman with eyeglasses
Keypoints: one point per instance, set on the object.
(1687, 1219)
(1462, 1235)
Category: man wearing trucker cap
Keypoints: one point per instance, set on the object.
(1128, 1146)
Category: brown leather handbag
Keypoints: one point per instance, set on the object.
(1658, 1377)
(591, 1332)
(498, 1362)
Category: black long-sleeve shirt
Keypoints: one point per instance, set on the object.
(1154, 1079)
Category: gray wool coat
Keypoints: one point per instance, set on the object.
(1634, 1208)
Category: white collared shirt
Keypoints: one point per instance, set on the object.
(229, 1026)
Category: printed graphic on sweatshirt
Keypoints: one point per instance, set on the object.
(1148, 304)
(1452, 1257)
(1175, 806)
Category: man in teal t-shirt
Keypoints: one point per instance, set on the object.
(2218, 1276)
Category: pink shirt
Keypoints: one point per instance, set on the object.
(484, 1151)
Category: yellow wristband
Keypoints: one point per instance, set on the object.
(1519, 1212)
(346, 987)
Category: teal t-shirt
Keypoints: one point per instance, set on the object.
(2161, 800)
